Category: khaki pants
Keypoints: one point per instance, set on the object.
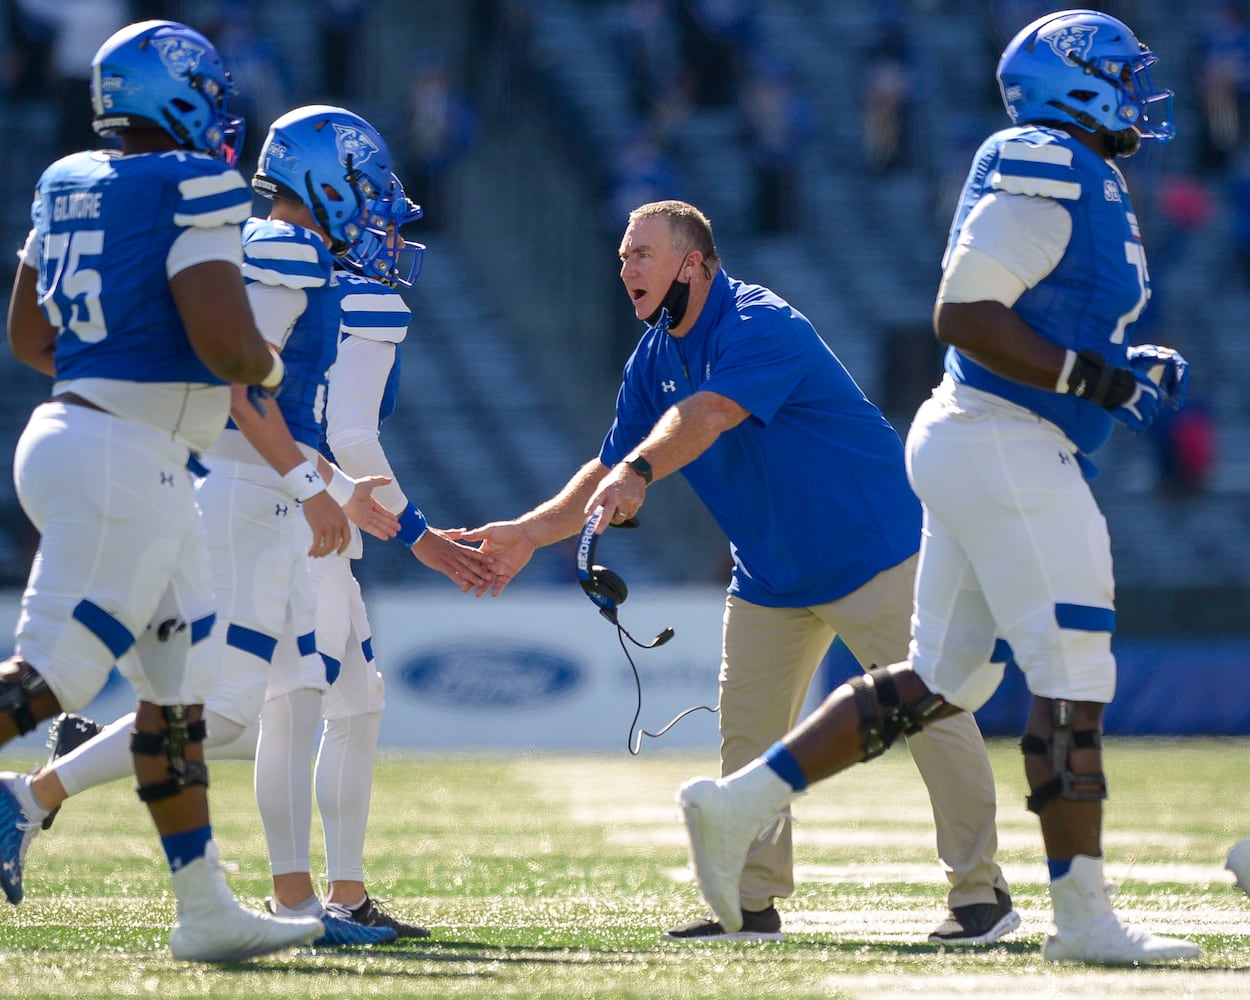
(768, 660)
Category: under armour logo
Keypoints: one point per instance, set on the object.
(668, 385)
(279, 510)
(1065, 458)
(167, 479)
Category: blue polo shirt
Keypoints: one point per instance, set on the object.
(811, 488)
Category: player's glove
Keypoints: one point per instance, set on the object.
(1139, 411)
(1165, 368)
(1131, 398)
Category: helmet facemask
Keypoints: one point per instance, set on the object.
(381, 252)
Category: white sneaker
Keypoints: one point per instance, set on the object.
(1239, 864)
(1086, 929)
(213, 926)
(723, 818)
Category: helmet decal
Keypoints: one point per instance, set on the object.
(180, 56)
(1078, 38)
(351, 141)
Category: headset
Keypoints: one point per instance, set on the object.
(607, 591)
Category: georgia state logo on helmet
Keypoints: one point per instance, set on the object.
(353, 142)
(180, 56)
(1078, 38)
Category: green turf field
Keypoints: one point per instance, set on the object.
(546, 875)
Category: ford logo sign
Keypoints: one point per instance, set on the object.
(479, 676)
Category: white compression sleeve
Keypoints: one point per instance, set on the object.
(344, 783)
(288, 724)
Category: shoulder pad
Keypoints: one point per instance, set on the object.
(372, 310)
(1039, 163)
(278, 253)
(211, 194)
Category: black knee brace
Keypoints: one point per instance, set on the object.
(883, 718)
(18, 688)
(171, 744)
(1066, 783)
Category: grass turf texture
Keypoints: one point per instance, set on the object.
(551, 876)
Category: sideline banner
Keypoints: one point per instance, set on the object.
(539, 668)
(535, 667)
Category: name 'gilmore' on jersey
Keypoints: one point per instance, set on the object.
(1098, 288)
(107, 235)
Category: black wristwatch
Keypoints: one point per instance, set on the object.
(641, 466)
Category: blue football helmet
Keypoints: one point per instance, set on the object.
(331, 160)
(1086, 68)
(162, 74)
(382, 253)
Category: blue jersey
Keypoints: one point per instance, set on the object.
(811, 488)
(372, 311)
(1099, 286)
(278, 253)
(105, 224)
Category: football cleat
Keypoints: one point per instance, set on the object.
(372, 914)
(67, 733)
(16, 833)
(1086, 929)
(213, 926)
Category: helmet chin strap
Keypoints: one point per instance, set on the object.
(1121, 142)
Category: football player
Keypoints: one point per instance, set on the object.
(129, 294)
(1043, 277)
(362, 393)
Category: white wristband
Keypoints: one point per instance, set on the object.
(276, 373)
(29, 253)
(303, 482)
(1069, 362)
(341, 487)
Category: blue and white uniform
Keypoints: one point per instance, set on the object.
(1015, 544)
(362, 393)
(122, 542)
(258, 535)
(363, 388)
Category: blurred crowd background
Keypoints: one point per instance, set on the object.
(827, 141)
